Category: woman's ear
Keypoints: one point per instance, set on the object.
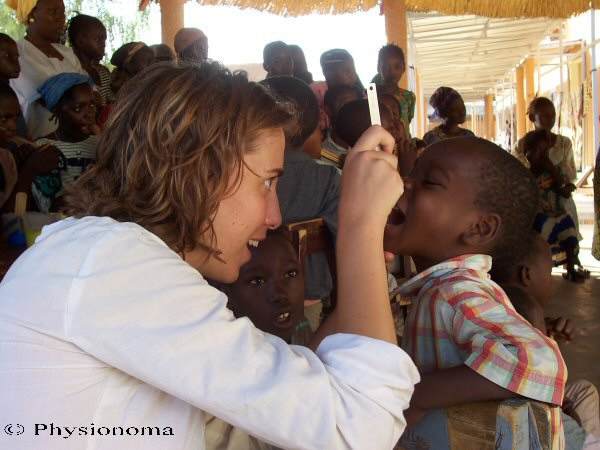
(483, 232)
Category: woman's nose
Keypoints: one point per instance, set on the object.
(273, 216)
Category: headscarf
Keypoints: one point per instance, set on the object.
(54, 88)
(22, 8)
(441, 100)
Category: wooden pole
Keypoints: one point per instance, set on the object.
(172, 19)
(396, 29)
(530, 90)
(420, 106)
(490, 126)
(520, 103)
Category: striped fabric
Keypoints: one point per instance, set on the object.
(79, 155)
(460, 317)
(104, 87)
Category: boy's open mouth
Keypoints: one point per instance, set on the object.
(397, 216)
(283, 319)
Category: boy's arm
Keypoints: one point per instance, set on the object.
(455, 386)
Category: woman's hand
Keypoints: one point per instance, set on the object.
(371, 184)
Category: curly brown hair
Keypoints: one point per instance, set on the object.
(173, 149)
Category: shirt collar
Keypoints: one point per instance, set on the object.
(476, 263)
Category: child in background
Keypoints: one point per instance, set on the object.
(354, 118)
(339, 70)
(528, 285)
(87, 37)
(132, 58)
(450, 108)
(70, 97)
(335, 98)
(162, 53)
(542, 114)
(462, 332)
(306, 190)
(553, 222)
(19, 155)
(269, 292)
(391, 66)
(300, 66)
(10, 70)
(191, 45)
(277, 60)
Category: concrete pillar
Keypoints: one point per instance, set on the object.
(521, 109)
(396, 29)
(490, 123)
(420, 107)
(172, 19)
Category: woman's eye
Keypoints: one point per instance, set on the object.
(258, 281)
(292, 274)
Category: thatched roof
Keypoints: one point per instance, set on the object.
(487, 8)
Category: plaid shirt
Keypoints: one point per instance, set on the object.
(462, 317)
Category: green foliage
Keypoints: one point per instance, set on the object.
(9, 24)
(120, 29)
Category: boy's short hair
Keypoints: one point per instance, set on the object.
(335, 56)
(7, 92)
(441, 100)
(126, 52)
(532, 139)
(272, 47)
(507, 188)
(332, 94)
(354, 119)
(391, 50)
(537, 104)
(79, 23)
(302, 103)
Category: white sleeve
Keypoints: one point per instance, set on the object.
(137, 306)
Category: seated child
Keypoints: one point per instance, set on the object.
(19, 154)
(553, 222)
(10, 70)
(449, 107)
(354, 118)
(277, 60)
(528, 285)
(306, 190)
(132, 58)
(466, 205)
(87, 37)
(70, 98)
(391, 65)
(335, 98)
(269, 292)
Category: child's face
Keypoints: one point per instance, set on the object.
(9, 60)
(544, 118)
(270, 289)
(80, 109)
(9, 114)
(391, 69)
(117, 79)
(93, 42)
(457, 113)
(539, 265)
(343, 99)
(281, 63)
(537, 155)
(340, 74)
(438, 205)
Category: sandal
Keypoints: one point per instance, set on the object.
(574, 277)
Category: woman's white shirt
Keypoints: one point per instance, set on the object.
(36, 68)
(101, 323)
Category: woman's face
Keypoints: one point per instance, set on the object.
(248, 213)
(47, 20)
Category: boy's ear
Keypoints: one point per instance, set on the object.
(482, 232)
(524, 275)
(266, 67)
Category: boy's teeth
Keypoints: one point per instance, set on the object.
(253, 243)
(283, 316)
